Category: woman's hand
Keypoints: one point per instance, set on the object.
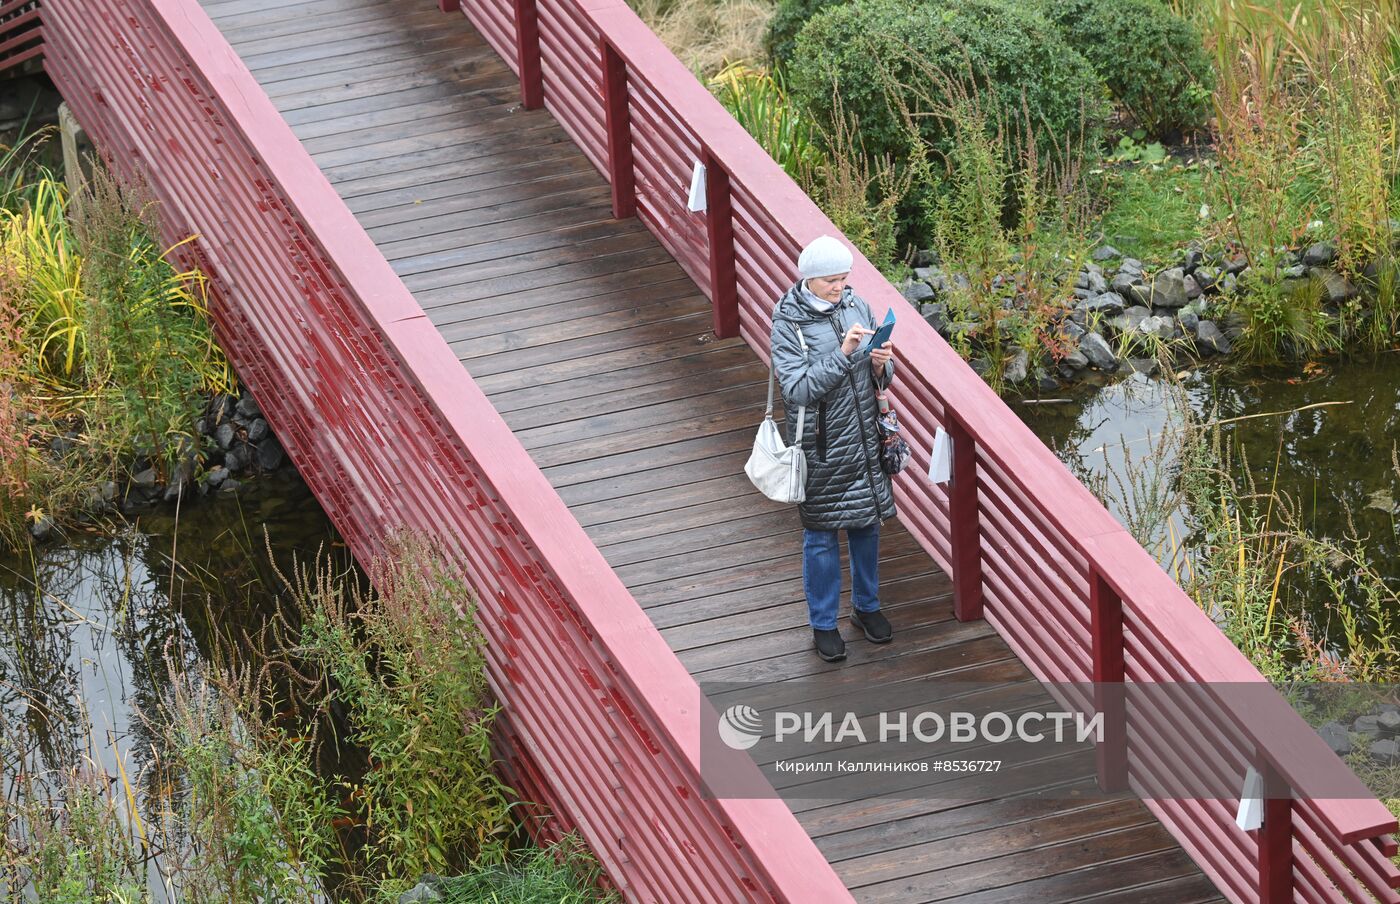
(851, 341)
(880, 356)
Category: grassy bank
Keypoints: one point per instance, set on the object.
(107, 356)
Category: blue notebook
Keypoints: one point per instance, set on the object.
(881, 335)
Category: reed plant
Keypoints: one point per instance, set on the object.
(758, 101)
(406, 664)
(1010, 218)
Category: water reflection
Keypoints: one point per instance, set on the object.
(1326, 441)
(90, 629)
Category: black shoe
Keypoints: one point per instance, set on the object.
(876, 627)
(829, 644)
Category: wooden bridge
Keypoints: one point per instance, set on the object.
(452, 257)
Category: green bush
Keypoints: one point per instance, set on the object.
(788, 19)
(1152, 61)
(881, 54)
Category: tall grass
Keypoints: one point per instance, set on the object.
(406, 663)
(104, 343)
(707, 35)
(758, 100)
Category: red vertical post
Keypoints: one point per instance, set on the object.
(965, 526)
(1106, 638)
(719, 224)
(527, 53)
(1275, 838)
(619, 129)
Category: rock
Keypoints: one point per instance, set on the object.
(1236, 265)
(1130, 265)
(1046, 383)
(221, 408)
(1320, 255)
(1209, 338)
(1076, 359)
(1083, 294)
(1093, 282)
(424, 892)
(1018, 368)
(60, 446)
(42, 528)
(1169, 288)
(1106, 303)
(257, 431)
(201, 426)
(1389, 724)
(248, 407)
(916, 292)
(980, 366)
(925, 257)
(215, 477)
(1097, 351)
(239, 458)
(1337, 737)
(1385, 752)
(224, 435)
(1297, 271)
(144, 479)
(270, 454)
(183, 473)
(1146, 366)
(1161, 327)
(1072, 329)
(229, 486)
(1188, 320)
(1206, 277)
(1193, 288)
(1368, 726)
(1337, 286)
(936, 315)
(1105, 252)
(1129, 320)
(1191, 259)
(109, 491)
(961, 282)
(1229, 283)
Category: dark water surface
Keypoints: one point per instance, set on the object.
(89, 624)
(1333, 460)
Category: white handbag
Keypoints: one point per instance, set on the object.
(779, 471)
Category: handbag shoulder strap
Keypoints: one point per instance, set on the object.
(773, 377)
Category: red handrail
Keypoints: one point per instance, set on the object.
(1023, 539)
(21, 34)
(601, 721)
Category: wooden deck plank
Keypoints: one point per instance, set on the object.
(597, 349)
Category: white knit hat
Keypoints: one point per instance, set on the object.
(824, 256)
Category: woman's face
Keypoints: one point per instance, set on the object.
(828, 288)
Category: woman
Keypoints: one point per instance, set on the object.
(846, 489)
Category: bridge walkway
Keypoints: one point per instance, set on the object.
(596, 348)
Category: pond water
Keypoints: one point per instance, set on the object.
(89, 625)
(1325, 439)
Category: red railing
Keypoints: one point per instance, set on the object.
(21, 33)
(601, 722)
(1027, 545)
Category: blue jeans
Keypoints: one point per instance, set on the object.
(821, 573)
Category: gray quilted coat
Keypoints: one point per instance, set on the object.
(845, 486)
